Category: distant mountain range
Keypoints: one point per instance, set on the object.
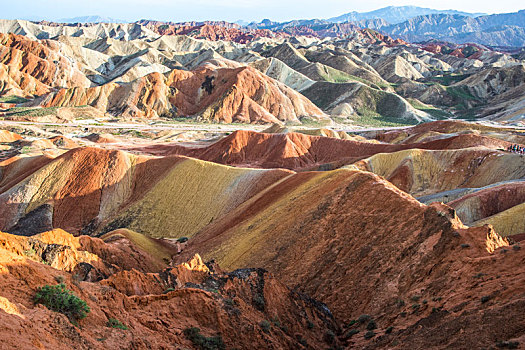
(396, 14)
(409, 23)
(418, 24)
(506, 29)
(91, 19)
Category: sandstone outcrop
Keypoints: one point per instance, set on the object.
(151, 305)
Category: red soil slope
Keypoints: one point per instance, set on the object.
(155, 306)
(30, 67)
(299, 151)
(362, 246)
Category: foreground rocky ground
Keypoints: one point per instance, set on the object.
(312, 238)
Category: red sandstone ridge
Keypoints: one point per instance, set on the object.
(300, 151)
(374, 37)
(155, 306)
(238, 95)
(31, 68)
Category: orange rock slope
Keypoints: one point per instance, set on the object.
(156, 306)
(31, 68)
(8, 136)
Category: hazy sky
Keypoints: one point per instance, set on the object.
(230, 10)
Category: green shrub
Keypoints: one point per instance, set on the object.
(310, 325)
(302, 341)
(329, 337)
(371, 325)
(508, 344)
(204, 343)
(415, 297)
(364, 318)
(352, 332)
(114, 323)
(29, 252)
(25, 149)
(259, 302)
(265, 326)
(60, 299)
(369, 335)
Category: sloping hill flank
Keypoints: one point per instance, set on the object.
(364, 247)
(89, 189)
(296, 151)
(422, 172)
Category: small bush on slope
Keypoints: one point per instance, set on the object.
(114, 323)
(202, 342)
(60, 299)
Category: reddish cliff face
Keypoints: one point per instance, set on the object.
(245, 308)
